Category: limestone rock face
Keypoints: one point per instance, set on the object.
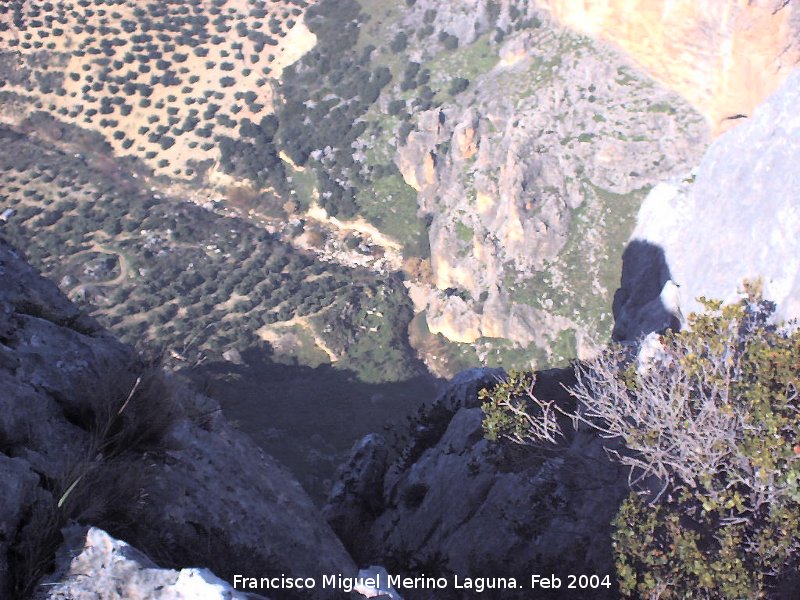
(725, 57)
(531, 180)
(207, 495)
(735, 219)
(104, 567)
(455, 503)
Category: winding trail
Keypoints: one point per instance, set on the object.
(124, 268)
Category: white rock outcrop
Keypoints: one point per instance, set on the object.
(107, 568)
(736, 219)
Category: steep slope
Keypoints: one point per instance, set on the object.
(98, 211)
(90, 432)
(734, 220)
(454, 504)
(724, 57)
(529, 179)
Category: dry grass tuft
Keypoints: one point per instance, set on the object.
(128, 413)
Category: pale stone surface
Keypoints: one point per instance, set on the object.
(739, 218)
(724, 56)
(104, 568)
(381, 590)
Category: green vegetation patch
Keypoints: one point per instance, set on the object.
(587, 273)
(306, 187)
(391, 205)
(662, 107)
(464, 64)
(295, 345)
(708, 427)
(464, 232)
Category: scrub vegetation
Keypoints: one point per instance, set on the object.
(709, 429)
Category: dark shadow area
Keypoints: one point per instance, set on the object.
(637, 306)
(8, 135)
(489, 510)
(309, 418)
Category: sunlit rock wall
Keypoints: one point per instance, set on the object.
(723, 56)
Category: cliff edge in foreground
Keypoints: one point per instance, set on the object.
(735, 219)
(90, 433)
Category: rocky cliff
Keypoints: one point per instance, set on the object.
(90, 433)
(734, 219)
(455, 504)
(530, 187)
(725, 57)
(531, 179)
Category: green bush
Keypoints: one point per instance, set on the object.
(450, 42)
(711, 428)
(399, 43)
(458, 85)
(724, 440)
(512, 412)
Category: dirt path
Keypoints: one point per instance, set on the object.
(124, 268)
(360, 225)
(270, 333)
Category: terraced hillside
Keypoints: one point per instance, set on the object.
(476, 157)
(161, 81)
(194, 282)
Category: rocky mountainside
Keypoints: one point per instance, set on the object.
(506, 155)
(529, 189)
(89, 432)
(530, 180)
(730, 225)
(723, 57)
(274, 190)
(456, 504)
